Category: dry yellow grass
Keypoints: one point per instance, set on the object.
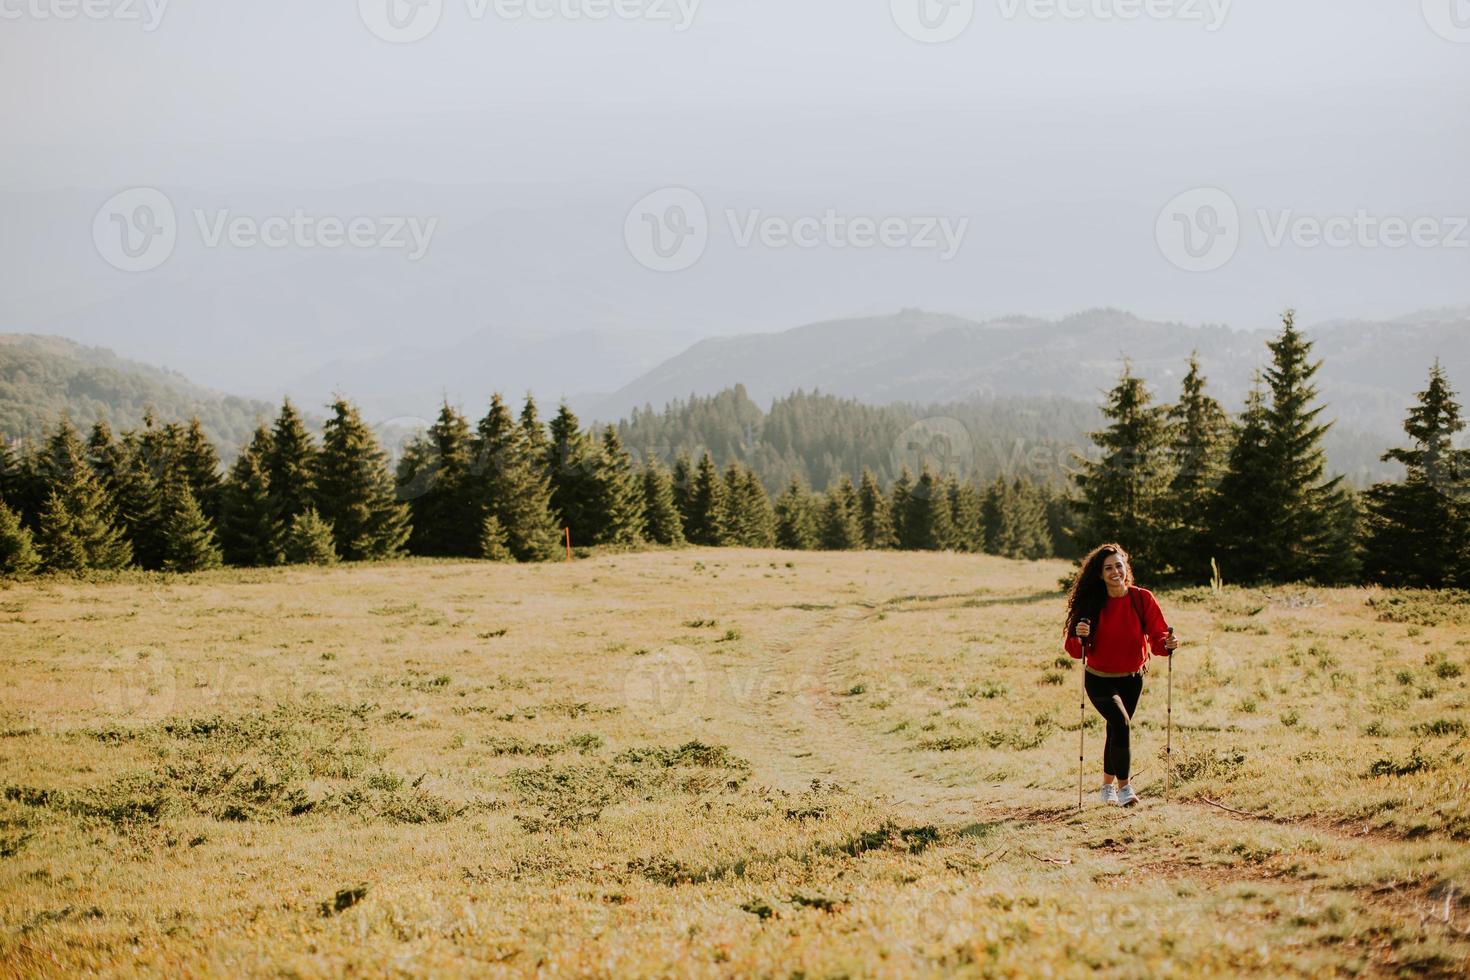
(716, 763)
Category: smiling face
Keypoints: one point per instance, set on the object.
(1115, 573)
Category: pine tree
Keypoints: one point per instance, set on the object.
(964, 510)
(1304, 519)
(617, 496)
(444, 505)
(310, 540)
(250, 532)
(199, 463)
(842, 528)
(796, 527)
(683, 480)
(27, 483)
(1200, 450)
(1237, 540)
(17, 549)
(665, 526)
(1418, 531)
(758, 516)
(995, 510)
(189, 541)
(78, 529)
(571, 461)
(144, 459)
(898, 506)
(104, 455)
(291, 465)
(1124, 495)
(928, 524)
(873, 514)
(10, 474)
(749, 521)
(734, 516)
(62, 549)
(1060, 521)
(1015, 521)
(494, 542)
(512, 488)
(538, 444)
(355, 491)
(708, 519)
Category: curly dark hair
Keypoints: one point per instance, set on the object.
(1089, 592)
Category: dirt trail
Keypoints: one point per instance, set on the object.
(798, 731)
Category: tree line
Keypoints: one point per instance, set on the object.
(1180, 484)
(1185, 484)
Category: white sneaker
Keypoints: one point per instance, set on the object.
(1126, 797)
(1109, 793)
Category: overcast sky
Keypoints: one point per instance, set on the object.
(1058, 130)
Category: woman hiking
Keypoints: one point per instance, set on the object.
(1112, 625)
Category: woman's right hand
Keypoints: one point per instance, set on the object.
(1083, 629)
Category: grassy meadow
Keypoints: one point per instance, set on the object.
(714, 763)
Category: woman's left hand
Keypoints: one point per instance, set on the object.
(1171, 642)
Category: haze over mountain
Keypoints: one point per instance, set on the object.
(1370, 372)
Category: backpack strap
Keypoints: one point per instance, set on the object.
(1135, 596)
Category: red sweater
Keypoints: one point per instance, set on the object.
(1118, 644)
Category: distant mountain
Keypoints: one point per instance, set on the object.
(42, 378)
(1371, 369)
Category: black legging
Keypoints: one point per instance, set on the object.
(1115, 698)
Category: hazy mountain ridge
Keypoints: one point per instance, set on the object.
(45, 377)
(1371, 369)
(1370, 373)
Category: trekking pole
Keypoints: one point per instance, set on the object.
(1169, 729)
(1082, 715)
